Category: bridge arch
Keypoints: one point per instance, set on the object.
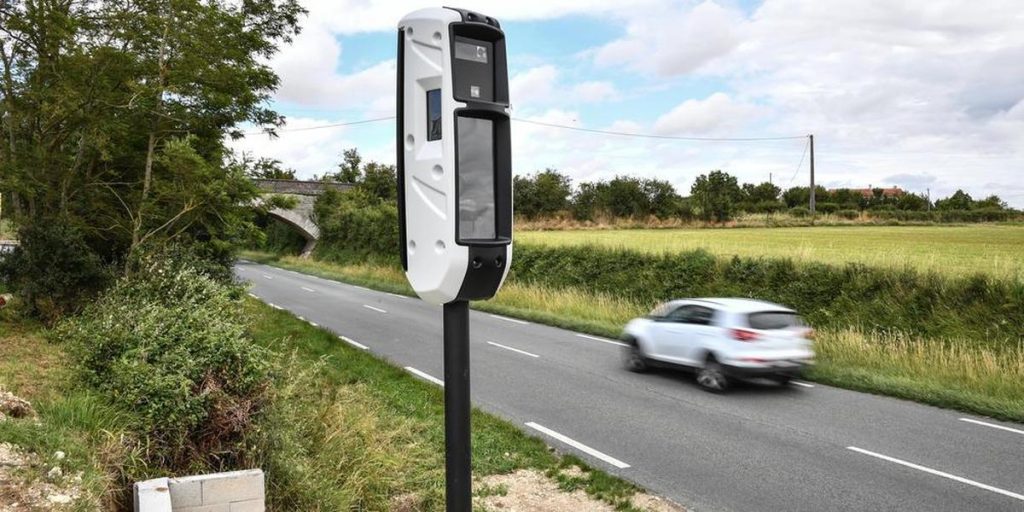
(301, 216)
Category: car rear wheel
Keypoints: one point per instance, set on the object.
(711, 377)
(783, 380)
(635, 359)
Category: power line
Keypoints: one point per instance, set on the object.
(665, 137)
(562, 126)
(797, 171)
(323, 126)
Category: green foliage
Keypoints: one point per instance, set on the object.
(716, 195)
(54, 270)
(800, 212)
(169, 343)
(960, 200)
(543, 193)
(96, 99)
(266, 169)
(627, 197)
(848, 214)
(874, 299)
(281, 238)
(354, 222)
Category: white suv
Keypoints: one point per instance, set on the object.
(721, 339)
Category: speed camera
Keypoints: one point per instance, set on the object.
(453, 154)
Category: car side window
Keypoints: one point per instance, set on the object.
(679, 315)
(700, 315)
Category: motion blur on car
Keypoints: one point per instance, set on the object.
(721, 340)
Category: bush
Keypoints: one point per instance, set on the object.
(800, 212)
(827, 207)
(169, 343)
(354, 223)
(53, 270)
(848, 214)
(852, 295)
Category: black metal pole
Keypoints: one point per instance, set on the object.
(458, 456)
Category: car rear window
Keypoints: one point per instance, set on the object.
(768, 320)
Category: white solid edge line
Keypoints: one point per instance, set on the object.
(379, 310)
(523, 352)
(253, 295)
(507, 319)
(801, 384)
(425, 376)
(937, 473)
(267, 276)
(353, 342)
(308, 289)
(993, 425)
(275, 306)
(314, 324)
(602, 340)
(578, 445)
(397, 295)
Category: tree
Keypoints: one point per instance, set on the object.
(115, 115)
(380, 181)
(544, 193)
(911, 201)
(266, 169)
(992, 202)
(349, 168)
(960, 200)
(716, 195)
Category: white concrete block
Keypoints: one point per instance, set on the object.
(186, 492)
(234, 486)
(219, 507)
(152, 496)
(248, 506)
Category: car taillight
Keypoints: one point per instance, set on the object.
(744, 335)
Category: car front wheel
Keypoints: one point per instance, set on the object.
(711, 377)
(635, 359)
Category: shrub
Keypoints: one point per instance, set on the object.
(53, 270)
(827, 207)
(800, 212)
(848, 214)
(354, 223)
(169, 343)
(852, 295)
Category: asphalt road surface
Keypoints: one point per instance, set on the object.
(805, 447)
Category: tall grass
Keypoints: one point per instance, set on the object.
(952, 372)
(960, 373)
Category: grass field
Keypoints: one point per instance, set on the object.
(996, 250)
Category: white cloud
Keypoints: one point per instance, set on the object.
(711, 116)
(546, 84)
(309, 77)
(594, 91)
(307, 151)
(669, 40)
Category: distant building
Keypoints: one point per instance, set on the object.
(868, 193)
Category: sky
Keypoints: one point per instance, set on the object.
(920, 94)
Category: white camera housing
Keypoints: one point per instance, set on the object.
(453, 154)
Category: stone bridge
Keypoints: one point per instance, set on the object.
(300, 217)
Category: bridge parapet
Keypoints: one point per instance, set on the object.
(302, 188)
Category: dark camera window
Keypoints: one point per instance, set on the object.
(476, 179)
(434, 114)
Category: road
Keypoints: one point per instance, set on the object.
(807, 447)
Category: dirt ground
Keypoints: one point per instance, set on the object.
(532, 491)
(26, 483)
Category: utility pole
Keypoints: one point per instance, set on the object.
(928, 191)
(811, 137)
(770, 179)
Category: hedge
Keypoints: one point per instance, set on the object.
(876, 299)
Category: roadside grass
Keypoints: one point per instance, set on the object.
(992, 249)
(380, 438)
(70, 420)
(962, 374)
(345, 430)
